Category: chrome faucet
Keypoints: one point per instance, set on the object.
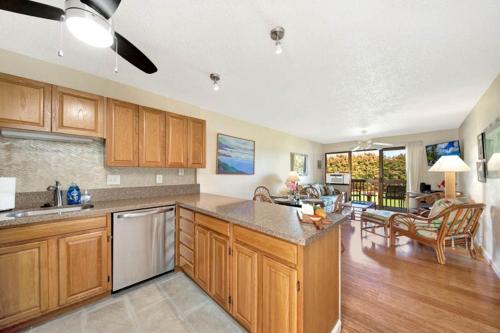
(58, 201)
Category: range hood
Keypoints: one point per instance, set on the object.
(17, 134)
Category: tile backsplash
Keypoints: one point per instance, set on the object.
(37, 164)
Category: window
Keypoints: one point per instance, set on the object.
(337, 163)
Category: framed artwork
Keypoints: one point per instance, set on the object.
(235, 156)
(481, 171)
(480, 147)
(492, 145)
(298, 163)
(319, 164)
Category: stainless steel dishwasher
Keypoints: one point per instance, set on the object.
(143, 245)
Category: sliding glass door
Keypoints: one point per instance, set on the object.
(378, 176)
(393, 178)
(365, 175)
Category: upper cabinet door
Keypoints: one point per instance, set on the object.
(196, 143)
(24, 104)
(122, 144)
(76, 112)
(176, 141)
(151, 138)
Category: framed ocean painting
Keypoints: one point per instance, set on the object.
(235, 156)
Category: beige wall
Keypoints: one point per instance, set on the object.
(401, 140)
(484, 113)
(273, 148)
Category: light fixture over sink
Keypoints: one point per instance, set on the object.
(88, 26)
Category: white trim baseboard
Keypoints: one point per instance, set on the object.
(338, 327)
(490, 261)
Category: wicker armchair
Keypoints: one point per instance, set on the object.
(456, 224)
(262, 194)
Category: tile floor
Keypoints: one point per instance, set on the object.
(171, 303)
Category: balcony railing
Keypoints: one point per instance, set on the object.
(393, 192)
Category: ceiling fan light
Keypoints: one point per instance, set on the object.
(89, 28)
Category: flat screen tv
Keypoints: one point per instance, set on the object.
(434, 152)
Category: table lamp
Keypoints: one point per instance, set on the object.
(449, 165)
(494, 162)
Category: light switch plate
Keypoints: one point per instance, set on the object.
(181, 172)
(113, 179)
(159, 179)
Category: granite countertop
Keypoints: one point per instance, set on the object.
(275, 220)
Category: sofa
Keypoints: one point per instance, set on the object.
(327, 193)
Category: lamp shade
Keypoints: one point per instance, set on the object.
(293, 177)
(494, 162)
(450, 163)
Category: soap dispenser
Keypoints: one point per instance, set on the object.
(73, 195)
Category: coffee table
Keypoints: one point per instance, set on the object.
(357, 207)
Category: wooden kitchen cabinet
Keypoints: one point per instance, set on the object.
(279, 297)
(151, 138)
(45, 267)
(202, 257)
(267, 284)
(24, 104)
(176, 141)
(83, 271)
(196, 143)
(76, 112)
(24, 281)
(219, 269)
(122, 134)
(245, 282)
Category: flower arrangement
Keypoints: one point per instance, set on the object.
(292, 184)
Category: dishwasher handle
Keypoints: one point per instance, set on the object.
(144, 212)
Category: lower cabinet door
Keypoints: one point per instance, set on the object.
(279, 297)
(23, 282)
(245, 290)
(219, 269)
(83, 267)
(202, 257)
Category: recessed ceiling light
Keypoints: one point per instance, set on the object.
(277, 34)
(215, 79)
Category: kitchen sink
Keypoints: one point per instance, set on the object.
(46, 211)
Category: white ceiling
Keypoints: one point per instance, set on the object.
(390, 67)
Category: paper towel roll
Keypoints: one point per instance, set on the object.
(7, 193)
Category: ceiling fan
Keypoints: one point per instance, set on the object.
(90, 22)
(369, 144)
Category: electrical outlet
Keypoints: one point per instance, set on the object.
(113, 179)
(159, 179)
(181, 172)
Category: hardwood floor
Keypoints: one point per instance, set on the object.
(406, 290)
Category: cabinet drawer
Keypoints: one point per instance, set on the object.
(187, 214)
(186, 253)
(186, 240)
(186, 226)
(212, 223)
(43, 230)
(272, 246)
(186, 266)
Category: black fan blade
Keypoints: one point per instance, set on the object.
(32, 8)
(104, 7)
(132, 54)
